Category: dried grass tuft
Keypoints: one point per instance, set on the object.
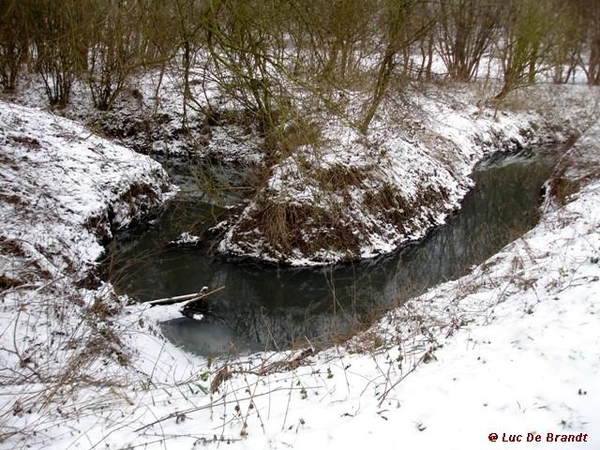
(298, 226)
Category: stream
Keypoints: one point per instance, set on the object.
(264, 307)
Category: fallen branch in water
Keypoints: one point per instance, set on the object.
(182, 298)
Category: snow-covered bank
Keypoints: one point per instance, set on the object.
(347, 196)
(65, 188)
(328, 193)
(63, 191)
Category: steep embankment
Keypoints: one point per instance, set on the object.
(63, 191)
(348, 196)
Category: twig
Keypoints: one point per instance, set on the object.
(393, 386)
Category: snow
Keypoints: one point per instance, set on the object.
(75, 175)
(63, 192)
(185, 239)
(511, 348)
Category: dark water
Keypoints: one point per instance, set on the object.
(265, 307)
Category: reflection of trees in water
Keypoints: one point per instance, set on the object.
(279, 309)
(283, 331)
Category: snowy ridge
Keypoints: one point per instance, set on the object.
(80, 186)
(356, 196)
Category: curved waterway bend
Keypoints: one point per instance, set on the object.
(264, 307)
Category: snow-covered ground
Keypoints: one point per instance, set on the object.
(63, 192)
(62, 186)
(511, 348)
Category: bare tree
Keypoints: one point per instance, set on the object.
(396, 17)
(466, 29)
(570, 38)
(246, 47)
(13, 41)
(60, 40)
(588, 14)
(526, 43)
(425, 17)
(115, 52)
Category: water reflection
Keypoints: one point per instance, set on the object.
(268, 307)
